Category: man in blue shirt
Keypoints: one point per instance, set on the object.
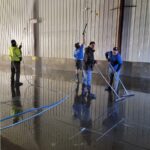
(78, 55)
(115, 60)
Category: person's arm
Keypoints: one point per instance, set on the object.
(74, 54)
(107, 55)
(20, 46)
(95, 61)
(85, 57)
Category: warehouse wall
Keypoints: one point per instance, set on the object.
(136, 31)
(14, 24)
(61, 23)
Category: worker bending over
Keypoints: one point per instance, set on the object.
(115, 63)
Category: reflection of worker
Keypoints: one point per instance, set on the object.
(16, 103)
(78, 55)
(15, 55)
(113, 114)
(81, 108)
(114, 67)
(88, 65)
(77, 103)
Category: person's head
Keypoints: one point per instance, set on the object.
(92, 44)
(13, 43)
(115, 51)
(77, 45)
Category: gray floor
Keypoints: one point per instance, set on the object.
(73, 122)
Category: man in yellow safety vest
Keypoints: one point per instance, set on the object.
(15, 56)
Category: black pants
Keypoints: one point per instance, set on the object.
(79, 64)
(15, 69)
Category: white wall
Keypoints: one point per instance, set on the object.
(136, 31)
(61, 25)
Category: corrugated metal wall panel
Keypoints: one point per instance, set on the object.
(136, 31)
(61, 25)
(14, 24)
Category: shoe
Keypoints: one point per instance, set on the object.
(77, 78)
(91, 96)
(18, 84)
(77, 81)
(108, 89)
(12, 82)
(84, 94)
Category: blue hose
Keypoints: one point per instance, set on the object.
(38, 114)
(24, 112)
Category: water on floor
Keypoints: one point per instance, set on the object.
(56, 116)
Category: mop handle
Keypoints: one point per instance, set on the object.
(107, 81)
(119, 78)
(84, 29)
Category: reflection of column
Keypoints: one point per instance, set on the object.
(38, 64)
(36, 100)
(36, 104)
(115, 113)
(16, 103)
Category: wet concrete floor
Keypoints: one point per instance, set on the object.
(66, 121)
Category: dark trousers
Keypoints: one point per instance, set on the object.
(15, 69)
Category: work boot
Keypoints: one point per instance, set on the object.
(91, 96)
(84, 92)
(77, 78)
(108, 89)
(18, 84)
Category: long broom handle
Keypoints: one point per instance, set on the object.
(119, 79)
(107, 81)
(85, 28)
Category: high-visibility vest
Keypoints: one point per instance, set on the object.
(14, 53)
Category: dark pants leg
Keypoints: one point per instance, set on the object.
(17, 68)
(17, 71)
(111, 79)
(12, 72)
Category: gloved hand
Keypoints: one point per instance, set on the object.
(20, 58)
(115, 73)
(108, 59)
(95, 62)
(20, 46)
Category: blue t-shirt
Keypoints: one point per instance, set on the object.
(115, 60)
(78, 53)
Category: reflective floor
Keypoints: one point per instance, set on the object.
(56, 116)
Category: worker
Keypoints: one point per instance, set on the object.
(88, 65)
(78, 55)
(115, 63)
(15, 56)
